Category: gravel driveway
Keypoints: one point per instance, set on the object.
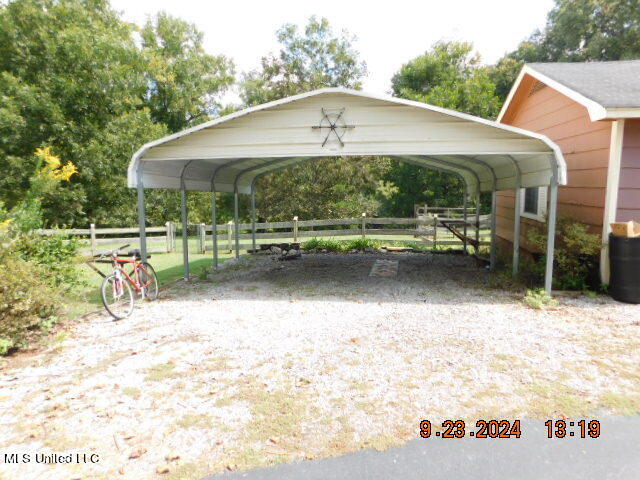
(271, 361)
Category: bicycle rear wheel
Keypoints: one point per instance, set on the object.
(148, 281)
(117, 297)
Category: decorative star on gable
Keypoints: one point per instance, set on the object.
(333, 121)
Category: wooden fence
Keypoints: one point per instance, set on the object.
(427, 229)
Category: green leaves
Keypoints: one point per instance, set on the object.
(305, 62)
(185, 82)
(449, 75)
(73, 76)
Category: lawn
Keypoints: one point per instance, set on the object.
(168, 266)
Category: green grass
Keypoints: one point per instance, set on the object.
(168, 266)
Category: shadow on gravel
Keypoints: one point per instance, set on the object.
(438, 279)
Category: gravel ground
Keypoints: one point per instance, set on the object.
(272, 361)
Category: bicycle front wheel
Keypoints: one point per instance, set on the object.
(117, 297)
(148, 281)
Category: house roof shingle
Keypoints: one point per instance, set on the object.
(611, 84)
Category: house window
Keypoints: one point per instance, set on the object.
(533, 203)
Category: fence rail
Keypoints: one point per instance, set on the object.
(426, 228)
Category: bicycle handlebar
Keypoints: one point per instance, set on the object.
(111, 252)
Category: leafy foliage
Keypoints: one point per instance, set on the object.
(185, 81)
(28, 305)
(576, 252)
(73, 76)
(305, 62)
(55, 255)
(449, 75)
(330, 245)
(576, 31)
(321, 188)
(539, 299)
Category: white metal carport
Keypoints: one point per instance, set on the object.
(230, 153)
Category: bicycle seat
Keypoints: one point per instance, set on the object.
(136, 254)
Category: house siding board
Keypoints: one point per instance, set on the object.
(585, 145)
(629, 187)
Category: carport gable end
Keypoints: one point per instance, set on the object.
(278, 134)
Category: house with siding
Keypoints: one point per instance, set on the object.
(592, 111)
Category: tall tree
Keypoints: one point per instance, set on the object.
(185, 81)
(577, 31)
(305, 62)
(73, 77)
(323, 187)
(70, 73)
(448, 75)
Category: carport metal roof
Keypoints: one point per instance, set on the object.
(229, 153)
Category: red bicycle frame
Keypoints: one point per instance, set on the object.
(137, 266)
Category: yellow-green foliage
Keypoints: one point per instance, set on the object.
(27, 304)
(575, 255)
(539, 299)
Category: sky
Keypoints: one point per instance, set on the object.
(388, 33)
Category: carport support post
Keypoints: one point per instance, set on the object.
(185, 235)
(464, 216)
(235, 220)
(141, 221)
(551, 233)
(478, 220)
(214, 226)
(494, 245)
(253, 217)
(516, 232)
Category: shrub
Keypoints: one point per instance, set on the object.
(539, 299)
(322, 244)
(361, 244)
(28, 304)
(576, 254)
(54, 254)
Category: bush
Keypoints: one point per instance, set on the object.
(576, 254)
(322, 244)
(361, 244)
(28, 304)
(54, 254)
(539, 299)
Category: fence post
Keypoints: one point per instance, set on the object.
(201, 237)
(295, 229)
(92, 229)
(435, 230)
(230, 235)
(364, 224)
(168, 237)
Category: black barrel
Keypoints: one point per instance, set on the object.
(624, 257)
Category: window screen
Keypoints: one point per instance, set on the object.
(531, 200)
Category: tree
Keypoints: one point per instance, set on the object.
(581, 30)
(185, 81)
(69, 72)
(323, 187)
(576, 31)
(316, 60)
(449, 75)
(73, 76)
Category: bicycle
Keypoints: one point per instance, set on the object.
(117, 294)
